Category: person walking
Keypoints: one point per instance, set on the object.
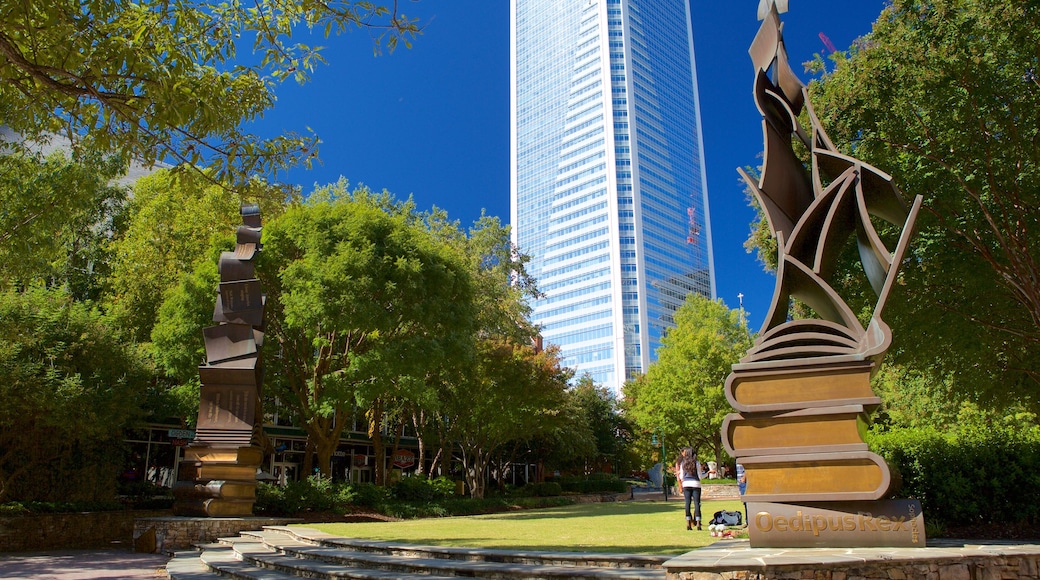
(687, 470)
(742, 487)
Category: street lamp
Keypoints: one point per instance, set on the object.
(664, 458)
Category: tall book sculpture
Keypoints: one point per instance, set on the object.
(803, 391)
(218, 474)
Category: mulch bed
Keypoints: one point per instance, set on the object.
(1017, 532)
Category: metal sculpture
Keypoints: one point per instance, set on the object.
(218, 474)
(803, 391)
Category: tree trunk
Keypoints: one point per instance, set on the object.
(308, 456)
(397, 441)
(435, 464)
(375, 433)
(475, 464)
(418, 417)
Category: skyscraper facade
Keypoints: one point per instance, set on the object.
(609, 196)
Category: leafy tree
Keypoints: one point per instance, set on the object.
(362, 301)
(175, 220)
(682, 393)
(502, 287)
(161, 80)
(58, 213)
(944, 95)
(511, 394)
(610, 431)
(68, 389)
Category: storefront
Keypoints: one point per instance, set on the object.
(155, 453)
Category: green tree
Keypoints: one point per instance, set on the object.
(68, 389)
(161, 80)
(609, 429)
(511, 394)
(58, 213)
(175, 220)
(682, 393)
(502, 288)
(362, 301)
(945, 96)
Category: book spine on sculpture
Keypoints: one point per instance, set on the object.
(218, 474)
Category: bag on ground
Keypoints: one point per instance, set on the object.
(727, 518)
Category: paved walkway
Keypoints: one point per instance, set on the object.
(82, 565)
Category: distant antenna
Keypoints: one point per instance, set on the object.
(827, 42)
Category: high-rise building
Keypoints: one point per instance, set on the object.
(608, 189)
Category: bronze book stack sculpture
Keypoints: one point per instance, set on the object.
(803, 391)
(218, 474)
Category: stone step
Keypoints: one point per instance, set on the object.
(289, 553)
(259, 556)
(291, 538)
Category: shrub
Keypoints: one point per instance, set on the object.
(315, 494)
(979, 476)
(25, 508)
(544, 489)
(370, 495)
(595, 483)
(422, 488)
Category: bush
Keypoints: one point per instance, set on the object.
(16, 508)
(370, 495)
(422, 488)
(595, 483)
(145, 495)
(979, 476)
(316, 494)
(544, 489)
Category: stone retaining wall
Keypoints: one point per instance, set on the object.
(942, 559)
(69, 531)
(169, 534)
(709, 492)
(981, 567)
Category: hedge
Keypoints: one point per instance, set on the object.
(978, 476)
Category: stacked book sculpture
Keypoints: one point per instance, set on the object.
(802, 393)
(218, 474)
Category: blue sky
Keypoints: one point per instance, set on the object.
(433, 121)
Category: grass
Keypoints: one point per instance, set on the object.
(633, 527)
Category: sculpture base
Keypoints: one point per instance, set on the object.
(895, 523)
(220, 482)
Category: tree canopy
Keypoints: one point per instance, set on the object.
(159, 80)
(58, 213)
(682, 392)
(944, 95)
(174, 220)
(362, 301)
(68, 388)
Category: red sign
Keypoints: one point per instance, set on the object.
(360, 460)
(404, 458)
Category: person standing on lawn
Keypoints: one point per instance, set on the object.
(742, 487)
(688, 471)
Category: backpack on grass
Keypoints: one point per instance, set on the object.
(727, 518)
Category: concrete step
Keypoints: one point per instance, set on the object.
(290, 538)
(289, 553)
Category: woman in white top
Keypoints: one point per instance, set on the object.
(688, 472)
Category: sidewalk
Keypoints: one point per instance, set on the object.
(82, 565)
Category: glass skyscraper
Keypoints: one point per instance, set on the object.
(608, 189)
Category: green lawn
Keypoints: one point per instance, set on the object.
(636, 527)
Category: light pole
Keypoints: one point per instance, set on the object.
(740, 298)
(664, 465)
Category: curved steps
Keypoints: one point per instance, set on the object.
(280, 553)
